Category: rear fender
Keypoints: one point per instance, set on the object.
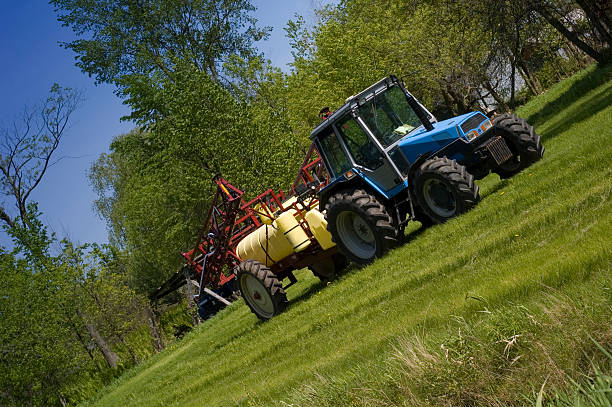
(343, 184)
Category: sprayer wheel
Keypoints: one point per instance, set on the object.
(261, 289)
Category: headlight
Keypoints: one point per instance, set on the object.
(486, 125)
(471, 135)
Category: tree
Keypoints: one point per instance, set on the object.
(135, 44)
(155, 185)
(555, 15)
(28, 146)
(39, 356)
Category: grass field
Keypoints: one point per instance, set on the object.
(483, 310)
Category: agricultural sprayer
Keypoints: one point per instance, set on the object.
(379, 161)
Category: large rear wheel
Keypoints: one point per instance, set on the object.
(444, 189)
(360, 225)
(523, 142)
(261, 289)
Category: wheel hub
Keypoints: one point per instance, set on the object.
(256, 294)
(439, 198)
(356, 234)
(363, 230)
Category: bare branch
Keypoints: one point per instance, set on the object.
(27, 147)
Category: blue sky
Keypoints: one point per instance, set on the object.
(31, 60)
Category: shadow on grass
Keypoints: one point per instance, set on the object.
(579, 113)
(312, 290)
(580, 87)
(414, 234)
(351, 268)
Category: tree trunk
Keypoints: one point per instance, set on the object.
(570, 35)
(156, 337)
(448, 102)
(457, 100)
(530, 79)
(501, 103)
(110, 356)
(81, 339)
(128, 347)
(6, 218)
(189, 293)
(598, 20)
(482, 100)
(213, 69)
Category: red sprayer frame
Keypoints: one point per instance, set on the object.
(230, 219)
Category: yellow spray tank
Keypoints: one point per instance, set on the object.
(267, 245)
(318, 227)
(293, 231)
(275, 240)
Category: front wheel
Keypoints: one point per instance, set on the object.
(444, 189)
(261, 289)
(522, 140)
(359, 225)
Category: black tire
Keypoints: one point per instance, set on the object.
(522, 140)
(444, 189)
(261, 290)
(360, 225)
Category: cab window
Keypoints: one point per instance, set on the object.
(389, 116)
(361, 147)
(334, 154)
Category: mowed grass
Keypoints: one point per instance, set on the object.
(482, 310)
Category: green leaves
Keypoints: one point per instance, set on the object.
(134, 44)
(155, 187)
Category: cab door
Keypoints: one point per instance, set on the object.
(367, 154)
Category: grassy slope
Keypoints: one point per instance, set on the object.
(431, 321)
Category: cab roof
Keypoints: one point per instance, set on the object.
(353, 102)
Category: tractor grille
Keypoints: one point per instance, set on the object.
(472, 122)
(499, 150)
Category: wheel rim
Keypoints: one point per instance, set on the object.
(356, 234)
(256, 294)
(439, 198)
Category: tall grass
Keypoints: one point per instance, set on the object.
(479, 311)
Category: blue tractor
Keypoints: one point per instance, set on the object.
(390, 161)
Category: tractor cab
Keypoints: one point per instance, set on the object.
(362, 137)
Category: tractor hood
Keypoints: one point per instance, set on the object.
(443, 133)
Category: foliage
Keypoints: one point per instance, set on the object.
(38, 355)
(50, 307)
(135, 44)
(155, 186)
